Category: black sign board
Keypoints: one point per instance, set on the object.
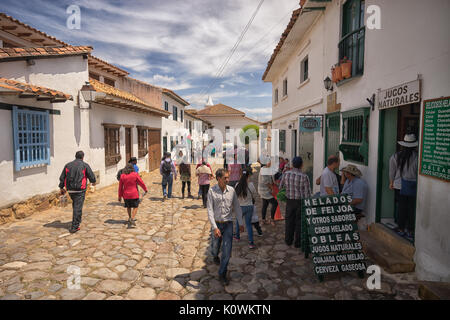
(330, 234)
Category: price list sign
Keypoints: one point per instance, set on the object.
(435, 154)
(331, 235)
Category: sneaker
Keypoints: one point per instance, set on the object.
(236, 238)
(74, 230)
(164, 198)
(217, 260)
(400, 232)
(133, 222)
(251, 246)
(409, 236)
(260, 233)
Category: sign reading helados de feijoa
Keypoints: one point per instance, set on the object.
(333, 235)
(406, 93)
(435, 151)
(310, 124)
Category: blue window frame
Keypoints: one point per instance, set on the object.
(166, 106)
(31, 138)
(175, 113)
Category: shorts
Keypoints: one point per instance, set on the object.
(131, 203)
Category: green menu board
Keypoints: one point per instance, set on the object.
(435, 154)
(330, 234)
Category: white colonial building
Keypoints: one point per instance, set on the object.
(407, 58)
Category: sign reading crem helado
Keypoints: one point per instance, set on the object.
(400, 95)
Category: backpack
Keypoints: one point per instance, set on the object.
(167, 167)
(119, 173)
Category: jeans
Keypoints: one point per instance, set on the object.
(265, 205)
(183, 186)
(406, 207)
(293, 222)
(247, 213)
(167, 180)
(77, 206)
(226, 242)
(205, 189)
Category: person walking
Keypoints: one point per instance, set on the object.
(128, 190)
(204, 175)
(168, 173)
(198, 166)
(404, 165)
(246, 193)
(265, 185)
(185, 175)
(297, 188)
(73, 180)
(222, 202)
(235, 171)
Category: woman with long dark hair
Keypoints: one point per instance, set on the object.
(128, 190)
(246, 193)
(403, 177)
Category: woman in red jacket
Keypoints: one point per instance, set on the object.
(128, 190)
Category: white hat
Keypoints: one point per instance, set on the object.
(409, 141)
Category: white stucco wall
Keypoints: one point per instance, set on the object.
(64, 74)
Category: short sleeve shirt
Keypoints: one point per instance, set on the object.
(357, 188)
(329, 180)
(264, 191)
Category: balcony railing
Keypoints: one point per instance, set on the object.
(352, 47)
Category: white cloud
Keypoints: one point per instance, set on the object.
(167, 82)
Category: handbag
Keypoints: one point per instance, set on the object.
(409, 188)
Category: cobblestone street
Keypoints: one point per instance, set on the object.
(164, 257)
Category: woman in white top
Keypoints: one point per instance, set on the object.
(246, 193)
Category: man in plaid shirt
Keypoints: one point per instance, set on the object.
(297, 188)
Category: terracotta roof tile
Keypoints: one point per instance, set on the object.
(112, 91)
(176, 96)
(17, 22)
(12, 53)
(294, 18)
(22, 87)
(93, 61)
(219, 109)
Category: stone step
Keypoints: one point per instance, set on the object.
(384, 256)
(392, 240)
(429, 290)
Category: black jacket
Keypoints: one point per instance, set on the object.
(74, 176)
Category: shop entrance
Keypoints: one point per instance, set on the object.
(394, 124)
(307, 154)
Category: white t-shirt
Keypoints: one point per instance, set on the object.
(329, 180)
(251, 191)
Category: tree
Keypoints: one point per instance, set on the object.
(244, 131)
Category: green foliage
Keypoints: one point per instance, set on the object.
(245, 129)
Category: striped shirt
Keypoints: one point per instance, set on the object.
(296, 184)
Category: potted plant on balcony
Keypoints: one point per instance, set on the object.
(338, 71)
(346, 68)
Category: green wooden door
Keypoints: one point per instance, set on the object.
(387, 147)
(333, 122)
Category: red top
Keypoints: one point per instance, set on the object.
(128, 185)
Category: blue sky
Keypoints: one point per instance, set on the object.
(179, 45)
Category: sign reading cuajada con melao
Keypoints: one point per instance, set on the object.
(333, 236)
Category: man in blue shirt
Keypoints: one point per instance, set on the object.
(354, 186)
(133, 161)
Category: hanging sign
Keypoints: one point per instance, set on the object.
(310, 124)
(406, 93)
(435, 154)
(332, 235)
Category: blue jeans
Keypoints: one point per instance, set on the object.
(247, 213)
(167, 180)
(226, 241)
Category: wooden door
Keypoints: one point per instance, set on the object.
(128, 144)
(154, 148)
(332, 135)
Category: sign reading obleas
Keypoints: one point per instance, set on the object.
(332, 235)
(435, 151)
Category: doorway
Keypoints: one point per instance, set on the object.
(307, 154)
(332, 135)
(154, 149)
(394, 124)
(128, 144)
(294, 144)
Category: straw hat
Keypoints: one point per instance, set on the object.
(352, 170)
(409, 141)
